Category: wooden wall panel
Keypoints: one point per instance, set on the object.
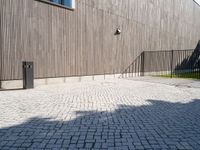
(83, 42)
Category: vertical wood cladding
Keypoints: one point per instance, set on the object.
(82, 42)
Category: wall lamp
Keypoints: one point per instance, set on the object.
(118, 31)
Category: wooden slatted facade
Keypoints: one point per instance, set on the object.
(82, 42)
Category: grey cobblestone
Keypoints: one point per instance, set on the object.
(115, 114)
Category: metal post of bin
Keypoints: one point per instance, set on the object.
(28, 77)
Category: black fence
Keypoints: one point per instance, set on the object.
(169, 63)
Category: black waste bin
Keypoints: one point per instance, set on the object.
(28, 77)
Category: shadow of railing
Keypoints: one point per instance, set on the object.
(156, 125)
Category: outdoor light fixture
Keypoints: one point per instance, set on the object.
(118, 31)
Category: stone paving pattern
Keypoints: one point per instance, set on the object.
(114, 114)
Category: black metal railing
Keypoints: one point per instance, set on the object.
(136, 68)
(168, 63)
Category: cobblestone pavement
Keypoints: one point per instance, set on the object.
(113, 114)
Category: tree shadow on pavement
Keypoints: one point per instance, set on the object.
(159, 125)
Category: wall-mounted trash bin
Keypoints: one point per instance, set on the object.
(28, 77)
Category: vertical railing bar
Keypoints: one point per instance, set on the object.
(135, 68)
(142, 64)
(139, 64)
(132, 68)
(179, 70)
(172, 55)
(190, 74)
(169, 63)
(183, 58)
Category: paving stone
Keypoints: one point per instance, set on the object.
(111, 114)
